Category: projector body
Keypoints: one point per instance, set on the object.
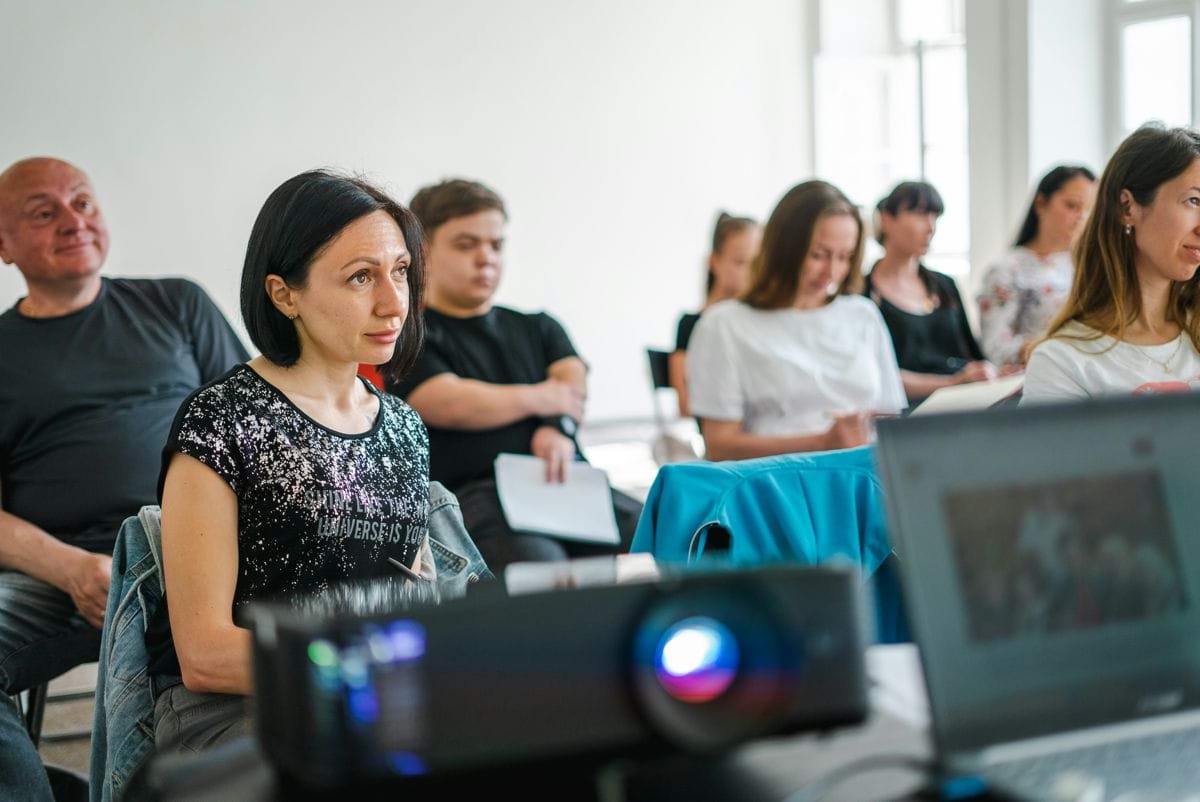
(695, 662)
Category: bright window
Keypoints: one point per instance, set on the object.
(890, 104)
(1156, 71)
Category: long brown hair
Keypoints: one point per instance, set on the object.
(1106, 295)
(775, 273)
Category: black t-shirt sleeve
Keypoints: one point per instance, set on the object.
(431, 362)
(555, 342)
(215, 345)
(205, 430)
(683, 334)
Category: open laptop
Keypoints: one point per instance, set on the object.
(1050, 558)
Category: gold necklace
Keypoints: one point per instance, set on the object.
(1165, 364)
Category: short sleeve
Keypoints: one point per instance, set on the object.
(683, 334)
(215, 345)
(555, 342)
(205, 429)
(714, 384)
(892, 398)
(431, 362)
(1053, 374)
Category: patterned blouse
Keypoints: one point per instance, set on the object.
(1020, 295)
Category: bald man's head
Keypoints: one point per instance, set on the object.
(51, 226)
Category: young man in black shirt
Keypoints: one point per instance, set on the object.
(492, 380)
(92, 371)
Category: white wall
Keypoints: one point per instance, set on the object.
(1037, 97)
(1067, 63)
(614, 130)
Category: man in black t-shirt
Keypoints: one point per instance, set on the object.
(492, 380)
(92, 372)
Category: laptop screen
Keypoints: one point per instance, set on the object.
(1051, 563)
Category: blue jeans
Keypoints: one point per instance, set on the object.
(42, 635)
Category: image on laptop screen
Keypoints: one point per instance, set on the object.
(1060, 556)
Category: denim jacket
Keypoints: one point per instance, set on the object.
(123, 728)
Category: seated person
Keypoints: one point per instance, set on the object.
(492, 380)
(1131, 322)
(93, 370)
(922, 308)
(802, 362)
(1025, 288)
(734, 245)
(290, 478)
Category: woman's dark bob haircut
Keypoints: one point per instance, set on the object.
(300, 218)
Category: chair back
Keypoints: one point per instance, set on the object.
(660, 377)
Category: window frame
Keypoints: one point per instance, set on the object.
(1121, 14)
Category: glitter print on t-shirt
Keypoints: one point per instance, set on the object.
(316, 508)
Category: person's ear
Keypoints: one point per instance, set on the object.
(5, 255)
(1040, 202)
(282, 296)
(1131, 213)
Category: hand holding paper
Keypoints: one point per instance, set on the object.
(578, 509)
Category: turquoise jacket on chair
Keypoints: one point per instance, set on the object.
(805, 508)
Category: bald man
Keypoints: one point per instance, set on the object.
(92, 371)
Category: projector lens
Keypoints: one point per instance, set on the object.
(696, 660)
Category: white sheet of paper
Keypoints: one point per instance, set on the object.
(966, 397)
(577, 509)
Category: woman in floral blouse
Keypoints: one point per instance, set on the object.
(1024, 289)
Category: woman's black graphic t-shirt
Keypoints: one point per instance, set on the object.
(316, 508)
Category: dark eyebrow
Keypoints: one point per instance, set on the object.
(371, 260)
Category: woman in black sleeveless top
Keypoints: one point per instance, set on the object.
(922, 308)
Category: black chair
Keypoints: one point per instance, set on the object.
(660, 379)
(667, 446)
(34, 713)
(65, 784)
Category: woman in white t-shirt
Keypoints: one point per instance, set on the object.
(802, 361)
(1130, 324)
(1025, 288)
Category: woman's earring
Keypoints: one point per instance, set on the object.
(1128, 230)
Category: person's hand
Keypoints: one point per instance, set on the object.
(981, 371)
(87, 580)
(559, 398)
(850, 431)
(1012, 370)
(555, 449)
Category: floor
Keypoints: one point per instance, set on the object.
(626, 450)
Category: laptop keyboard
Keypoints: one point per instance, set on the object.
(1166, 767)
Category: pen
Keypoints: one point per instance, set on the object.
(409, 573)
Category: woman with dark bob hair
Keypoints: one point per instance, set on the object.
(1131, 323)
(802, 360)
(922, 307)
(290, 478)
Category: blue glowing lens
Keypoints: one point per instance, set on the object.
(696, 660)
